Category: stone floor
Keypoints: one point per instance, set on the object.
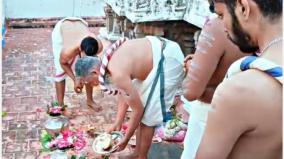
(27, 87)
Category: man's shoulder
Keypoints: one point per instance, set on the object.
(70, 50)
(253, 79)
(247, 88)
(214, 26)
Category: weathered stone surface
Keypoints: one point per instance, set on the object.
(27, 89)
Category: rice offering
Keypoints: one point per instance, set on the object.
(106, 143)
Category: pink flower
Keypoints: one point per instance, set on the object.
(46, 157)
(69, 139)
(64, 144)
(55, 110)
(39, 110)
(80, 143)
(53, 143)
(124, 127)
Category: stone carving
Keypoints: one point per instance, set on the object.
(117, 28)
(137, 18)
(149, 10)
(197, 12)
(142, 5)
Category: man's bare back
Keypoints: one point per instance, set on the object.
(246, 117)
(133, 58)
(73, 32)
(245, 112)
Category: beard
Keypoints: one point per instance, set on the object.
(240, 37)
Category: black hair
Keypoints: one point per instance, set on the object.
(269, 8)
(90, 46)
(211, 6)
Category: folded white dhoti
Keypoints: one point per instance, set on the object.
(57, 43)
(174, 74)
(196, 125)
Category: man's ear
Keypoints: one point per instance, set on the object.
(96, 71)
(100, 45)
(243, 9)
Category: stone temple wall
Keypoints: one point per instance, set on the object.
(178, 20)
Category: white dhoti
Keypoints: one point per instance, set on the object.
(196, 125)
(57, 43)
(174, 74)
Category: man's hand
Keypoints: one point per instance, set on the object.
(186, 61)
(122, 144)
(114, 127)
(78, 86)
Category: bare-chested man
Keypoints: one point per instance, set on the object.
(213, 56)
(141, 68)
(246, 117)
(207, 68)
(71, 39)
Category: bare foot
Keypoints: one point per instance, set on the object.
(94, 106)
(69, 113)
(128, 156)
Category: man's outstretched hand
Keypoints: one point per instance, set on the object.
(122, 144)
(78, 86)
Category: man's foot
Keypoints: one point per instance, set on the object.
(69, 113)
(128, 156)
(94, 106)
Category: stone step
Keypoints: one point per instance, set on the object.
(165, 151)
(50, 22)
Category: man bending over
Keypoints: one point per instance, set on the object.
(71, 38)
(147, 74)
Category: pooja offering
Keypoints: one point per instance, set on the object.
(173, 130)
(106, 143)
(65, 140)
(54, 125)
(54, 109)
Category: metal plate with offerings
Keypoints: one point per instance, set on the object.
(107, 143)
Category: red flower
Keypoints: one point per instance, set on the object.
(67, 133)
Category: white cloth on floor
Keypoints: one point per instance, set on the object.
(174, 74)
(57, 43)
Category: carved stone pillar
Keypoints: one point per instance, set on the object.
(109, 18)
(121, 23)
(128, 28)
(116, 25)
(138, 31)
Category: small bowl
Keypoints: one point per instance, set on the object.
(54, 125)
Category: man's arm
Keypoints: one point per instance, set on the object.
(228, 120)
(65, 56)
(132, 99)
(122, 109)
(209, 50)
(208, 94)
